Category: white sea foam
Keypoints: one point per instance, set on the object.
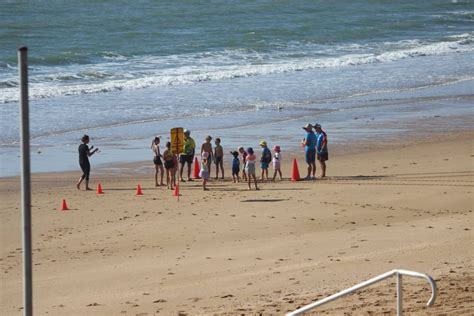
(121, 73)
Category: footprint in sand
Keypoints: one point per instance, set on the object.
(160, 301)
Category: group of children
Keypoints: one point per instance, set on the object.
(168, 161)
(246, 163)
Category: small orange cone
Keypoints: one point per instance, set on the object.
(196, 169)
(176, 191)
(99, 189)
(139, 190)
(295, 174)
(64, 205)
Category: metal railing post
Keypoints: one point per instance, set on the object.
(398, 273)
(25, 181)
(399, 294)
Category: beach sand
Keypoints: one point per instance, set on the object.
(233, 251)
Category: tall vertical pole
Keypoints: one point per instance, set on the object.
(25, 181)
(399, 294)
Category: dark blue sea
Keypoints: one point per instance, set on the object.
(125, 71)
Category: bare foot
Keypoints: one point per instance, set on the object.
(257, 189)
(78, 186)
(88, 189)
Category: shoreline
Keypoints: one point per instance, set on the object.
(342, 150)
(230, 250)
(384, 117)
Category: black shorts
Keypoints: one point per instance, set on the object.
(86, 170)
(218, 160)
(169, 164)
(323, 156)
(186, 159)
(157, 161)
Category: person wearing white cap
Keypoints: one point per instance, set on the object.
(309, 143)
(321, 148)
(188, 154)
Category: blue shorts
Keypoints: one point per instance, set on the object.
(311, 156)
(264, 165)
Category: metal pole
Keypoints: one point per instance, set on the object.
(399, 294)
(25, 181)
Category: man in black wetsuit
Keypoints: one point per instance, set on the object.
(84, 154)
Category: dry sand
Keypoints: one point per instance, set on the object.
(231, 251)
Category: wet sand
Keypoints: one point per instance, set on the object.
(233, 251)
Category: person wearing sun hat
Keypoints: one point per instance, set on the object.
(321, 148)
(309, 143)
(265, 159)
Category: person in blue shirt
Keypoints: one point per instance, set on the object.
(265, 159)
(321, 148)
(309, 143)
(235, 166)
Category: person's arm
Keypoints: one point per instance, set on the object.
(324, 142)
(90, 153)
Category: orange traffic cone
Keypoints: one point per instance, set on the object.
(99, 189)
(295, 174)
(64, 205)
(139, 190)
(176, 191)
(196, 169)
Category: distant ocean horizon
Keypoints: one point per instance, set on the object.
(125, 71)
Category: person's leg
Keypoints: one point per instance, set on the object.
(274, 175)
(78, 185)
(217, 169)
(173, 177)
(323, 168)
(168, 179)
(162, 171)
(87, 173)
(314, 168)
(249, 180)
(281, 176)
(181, 168)
(255, 181)
(189, 169)
(221, 164)
(156, 175)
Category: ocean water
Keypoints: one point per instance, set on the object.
(124, 71)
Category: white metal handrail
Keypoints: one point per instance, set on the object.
(397, 272)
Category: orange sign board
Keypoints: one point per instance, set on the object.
(177, 140)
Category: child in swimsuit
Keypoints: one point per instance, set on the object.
(235, 166)
(168, 156)
(204, 173)
(244, 160)
(219, 158)
(155, 147)
(207, 147)
(277, 162)
(250, 167)
(265, 159)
